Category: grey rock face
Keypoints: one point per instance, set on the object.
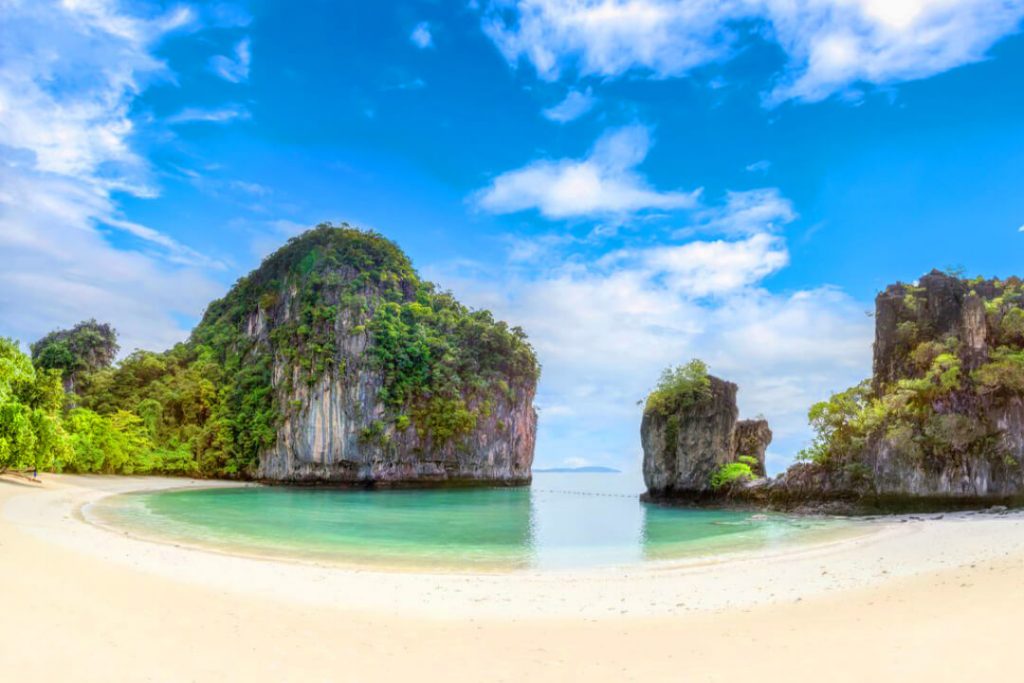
(986, 457)
(333, 431)
(683, 450)
(324, 441)
(982, 434)
(752, 439)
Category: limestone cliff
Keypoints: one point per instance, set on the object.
(691, 438)
(353, 370)
(942, 419)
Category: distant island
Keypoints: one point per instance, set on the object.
(592, 469)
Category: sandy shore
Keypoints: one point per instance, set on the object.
(935, 599)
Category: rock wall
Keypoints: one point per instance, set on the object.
(752, 439)
(969, 447)
(315, 322)
(683, 450)
(335, 430)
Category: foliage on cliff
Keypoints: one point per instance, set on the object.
(678, 388)
(209, 406)
(86, 347)
(933, 406)
(436, 357)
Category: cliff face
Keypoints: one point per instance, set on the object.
(940, 307)
(688, 444)
(752, 440)
(943, 416)
(372, 377)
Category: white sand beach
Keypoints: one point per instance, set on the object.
(933, 598)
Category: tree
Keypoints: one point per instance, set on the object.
(31, 432)
(87, 347)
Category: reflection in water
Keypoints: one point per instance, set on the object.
(564, 520)
(596, 516)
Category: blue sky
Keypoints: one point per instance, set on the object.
(635, 183)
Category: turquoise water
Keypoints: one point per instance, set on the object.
(562, 521)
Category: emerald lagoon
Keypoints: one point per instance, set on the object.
(563, 521)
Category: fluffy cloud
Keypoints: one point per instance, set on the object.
(603, 183)
(717, 268)
(576, 104)
(68, 75)
(234, 69)
(830, 45)
(421, 36)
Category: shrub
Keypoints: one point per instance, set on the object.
(1004, 373)
(730, 473)
(678, 388)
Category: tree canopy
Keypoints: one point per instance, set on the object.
(86, 347)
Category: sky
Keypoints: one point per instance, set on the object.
(634, 182)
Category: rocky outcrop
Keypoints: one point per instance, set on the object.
(939, 425)
(329, 438)
(752, 440)
(374, 377)
(942, 423)
(686, 447)
(940, 306)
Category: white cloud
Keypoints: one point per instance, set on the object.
(421, 36)
(234, 69)
(608, 38)
(225, 114)
(715, 268)
(759, 166)
(749, 212)
(576, 104)
(68, 76)
(831, 45)
(59, 268)
(603, 183)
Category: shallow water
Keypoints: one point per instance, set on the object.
(562, 521)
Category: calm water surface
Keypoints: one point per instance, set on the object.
(562, 521)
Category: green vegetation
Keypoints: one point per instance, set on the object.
(335, 301)
(678, 388)
(934, 412)
(733, 472)
(86, 347)
(31, 430)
